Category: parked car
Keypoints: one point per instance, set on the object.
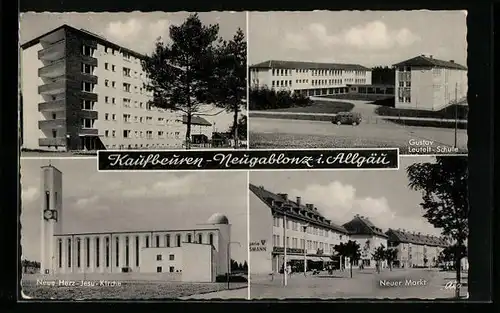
(352, 118)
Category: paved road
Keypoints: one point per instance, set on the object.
(425, 284)
(285, 133)
(371, 118)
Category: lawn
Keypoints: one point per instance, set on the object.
(319, 107)
(446, 113)
(436, 124)
(127, 290)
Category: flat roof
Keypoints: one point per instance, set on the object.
(104, 233)
(309, 65)
(83, 33)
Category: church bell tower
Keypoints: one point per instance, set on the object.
(51, 217)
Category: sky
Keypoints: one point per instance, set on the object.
(135, 30)
(369, 38)
(97, 202)
(381, 196)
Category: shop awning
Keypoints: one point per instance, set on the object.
(295, 257)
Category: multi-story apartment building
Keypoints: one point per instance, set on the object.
(415, 249)
(426, 83)
(309, 78)
(369, 237)
(276, 222)
(83, 92)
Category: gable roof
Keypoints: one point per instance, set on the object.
(361, 225)
(196, 120)
(309, 65)
(423, 60)
(397, 235)
(84, 33)
(279, 203)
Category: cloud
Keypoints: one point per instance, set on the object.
(136, 32)
(29, 194)
(374, 35)
(176, 187)
(340, 203)
(85, 202)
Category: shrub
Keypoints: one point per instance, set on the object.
(232, 279)
(270, 99)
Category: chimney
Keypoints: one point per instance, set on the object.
(452, 61)
(430, 56)
(310, 206)
(284, 196)
(298, 201)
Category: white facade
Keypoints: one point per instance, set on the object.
(425, 86)
(368, 245)
(312, 79)
(82, 92)
(269, 235)
(127, 252)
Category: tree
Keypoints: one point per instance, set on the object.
(448, 254)
(242, 128)
(379, 255)
(425, 261)
(180, 74)
(230, 74)
(245, 266)
(391, 255)
(351, 250)
(445, 200)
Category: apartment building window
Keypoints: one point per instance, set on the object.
(106, 49)
(126, 87)
(149, 119)
(149, 134)
(126, 102)
(113, 51)
(160, 134)
(106, 133)
(126, 133)
(178, 240)
(106, 66)
(106, 99)
(136, 250)
(113, 84)
(171, 257)
(126, 118)
(158, 257)
(113, 100)
(88, 51)
(117, 247)
(126, 72)
(87, 68)
(87, 123)
(87, 105)
(112, 68)
(113, 133)
(113, 116)
(87, 87)
(106, 83)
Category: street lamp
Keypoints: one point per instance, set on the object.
(229, 259)
(304, 226)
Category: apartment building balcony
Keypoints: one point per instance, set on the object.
(55, 51)
(88, 132)
(52, 106)
(89, 60)
(53, 88)
(52, 124)
(58, 141)
(53, 69)
(91, 78)
(88, 114)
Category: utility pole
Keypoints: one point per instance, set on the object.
(456, 115)
(284, 251)
(305, 249)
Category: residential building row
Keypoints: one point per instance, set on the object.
(276, 222)
(83, 92)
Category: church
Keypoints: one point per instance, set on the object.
(198, 254)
